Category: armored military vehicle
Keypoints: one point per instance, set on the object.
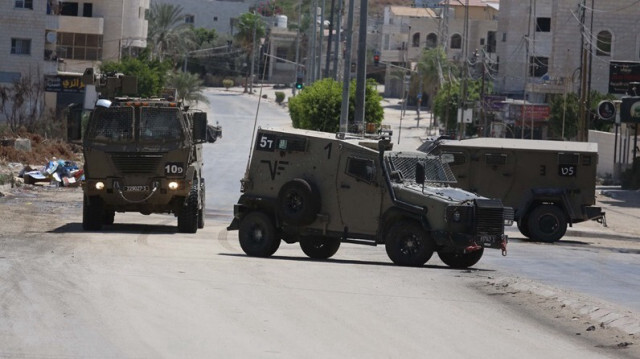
(144, 155)
(323, 189)
(550, 184)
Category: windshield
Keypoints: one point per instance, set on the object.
(403, 168)
(112, 125)
(118, 125)
(160, 124)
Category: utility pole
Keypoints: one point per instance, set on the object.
(583, 75)
(253, 52)
(297, 74)
(328, 57)
(362, 65)
(465, 75)
(344, 110)
(312, 64)
(336, 51)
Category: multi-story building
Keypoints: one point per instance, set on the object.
(219, 15)
(54, 41)
(541, 44)
(407, 31)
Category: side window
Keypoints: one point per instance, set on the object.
(362, 169)
(568, 164)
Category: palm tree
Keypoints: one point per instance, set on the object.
(435, 70)
(168, 33)
(189, 87)
(250, 28)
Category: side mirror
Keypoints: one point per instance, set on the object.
(420, 173)
(200, 126)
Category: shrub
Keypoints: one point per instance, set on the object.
(318, 106)
(227, 83)
(279, 97)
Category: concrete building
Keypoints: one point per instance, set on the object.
(407, 31)
(540, 43)
(219, 15)
(54, 42)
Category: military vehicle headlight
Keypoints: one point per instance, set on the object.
(173, 185)
(99, 186)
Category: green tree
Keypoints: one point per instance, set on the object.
(250, 29)
(168, 34)
(189, 87)
(151, 74)
(445, 105)
(565, 113)
(205, 38)
(317, 107)
(435, 70)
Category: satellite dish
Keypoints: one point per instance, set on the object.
(51, 37)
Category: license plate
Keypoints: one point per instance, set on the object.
(136, 188)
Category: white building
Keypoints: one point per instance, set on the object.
(58, 40)
(219, 15)
(540, 43)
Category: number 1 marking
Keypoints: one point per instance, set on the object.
(328, 148)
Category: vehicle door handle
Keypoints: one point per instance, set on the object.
(345, 186)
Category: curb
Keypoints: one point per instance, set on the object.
(605, 314)
(600, 234)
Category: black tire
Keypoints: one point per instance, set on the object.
(188, 215)
(461, 260)
(109, 217)
(408, 244)
(92, 214)
(547, 223)
(257, 235)
(523, 227)
(201, 210)
(298, 203)
(319, 247)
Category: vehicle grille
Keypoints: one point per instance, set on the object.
(489, 216)
(136, 164)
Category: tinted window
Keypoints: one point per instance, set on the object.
(361, 168)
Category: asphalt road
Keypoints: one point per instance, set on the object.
(139, 289)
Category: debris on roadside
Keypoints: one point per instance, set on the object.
(59, 172)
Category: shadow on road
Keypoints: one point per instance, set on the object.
(132, 228)
(351, 261)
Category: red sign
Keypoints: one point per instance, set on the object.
(535, 112)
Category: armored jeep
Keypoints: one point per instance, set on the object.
(144, 155)
(321, 189)
(550, 184)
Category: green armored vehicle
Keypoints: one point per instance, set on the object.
(550, 184)
(320, 190)
(144, 155)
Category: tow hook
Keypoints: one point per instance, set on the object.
(503, 246)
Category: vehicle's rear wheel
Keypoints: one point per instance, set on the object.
(188, 216)
(523, 227)
(298, 202)
(201, 210)
(547, 223)
(319, 247)
(408, 244)
(109, 217)
(461, 260)
(92, 214)
(257, 235)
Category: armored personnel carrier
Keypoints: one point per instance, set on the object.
(144, 155)
(550, 184)
(322, 190)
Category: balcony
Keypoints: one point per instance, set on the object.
(82, 25)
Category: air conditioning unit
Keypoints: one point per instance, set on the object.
(51, 37)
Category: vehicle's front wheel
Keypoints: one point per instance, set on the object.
(188, 216)
(109, 217)
(319, 247)
(523, 227)
(92, 214)
(258, 236)
(547, 223)
(408, 244)
(461, 260)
